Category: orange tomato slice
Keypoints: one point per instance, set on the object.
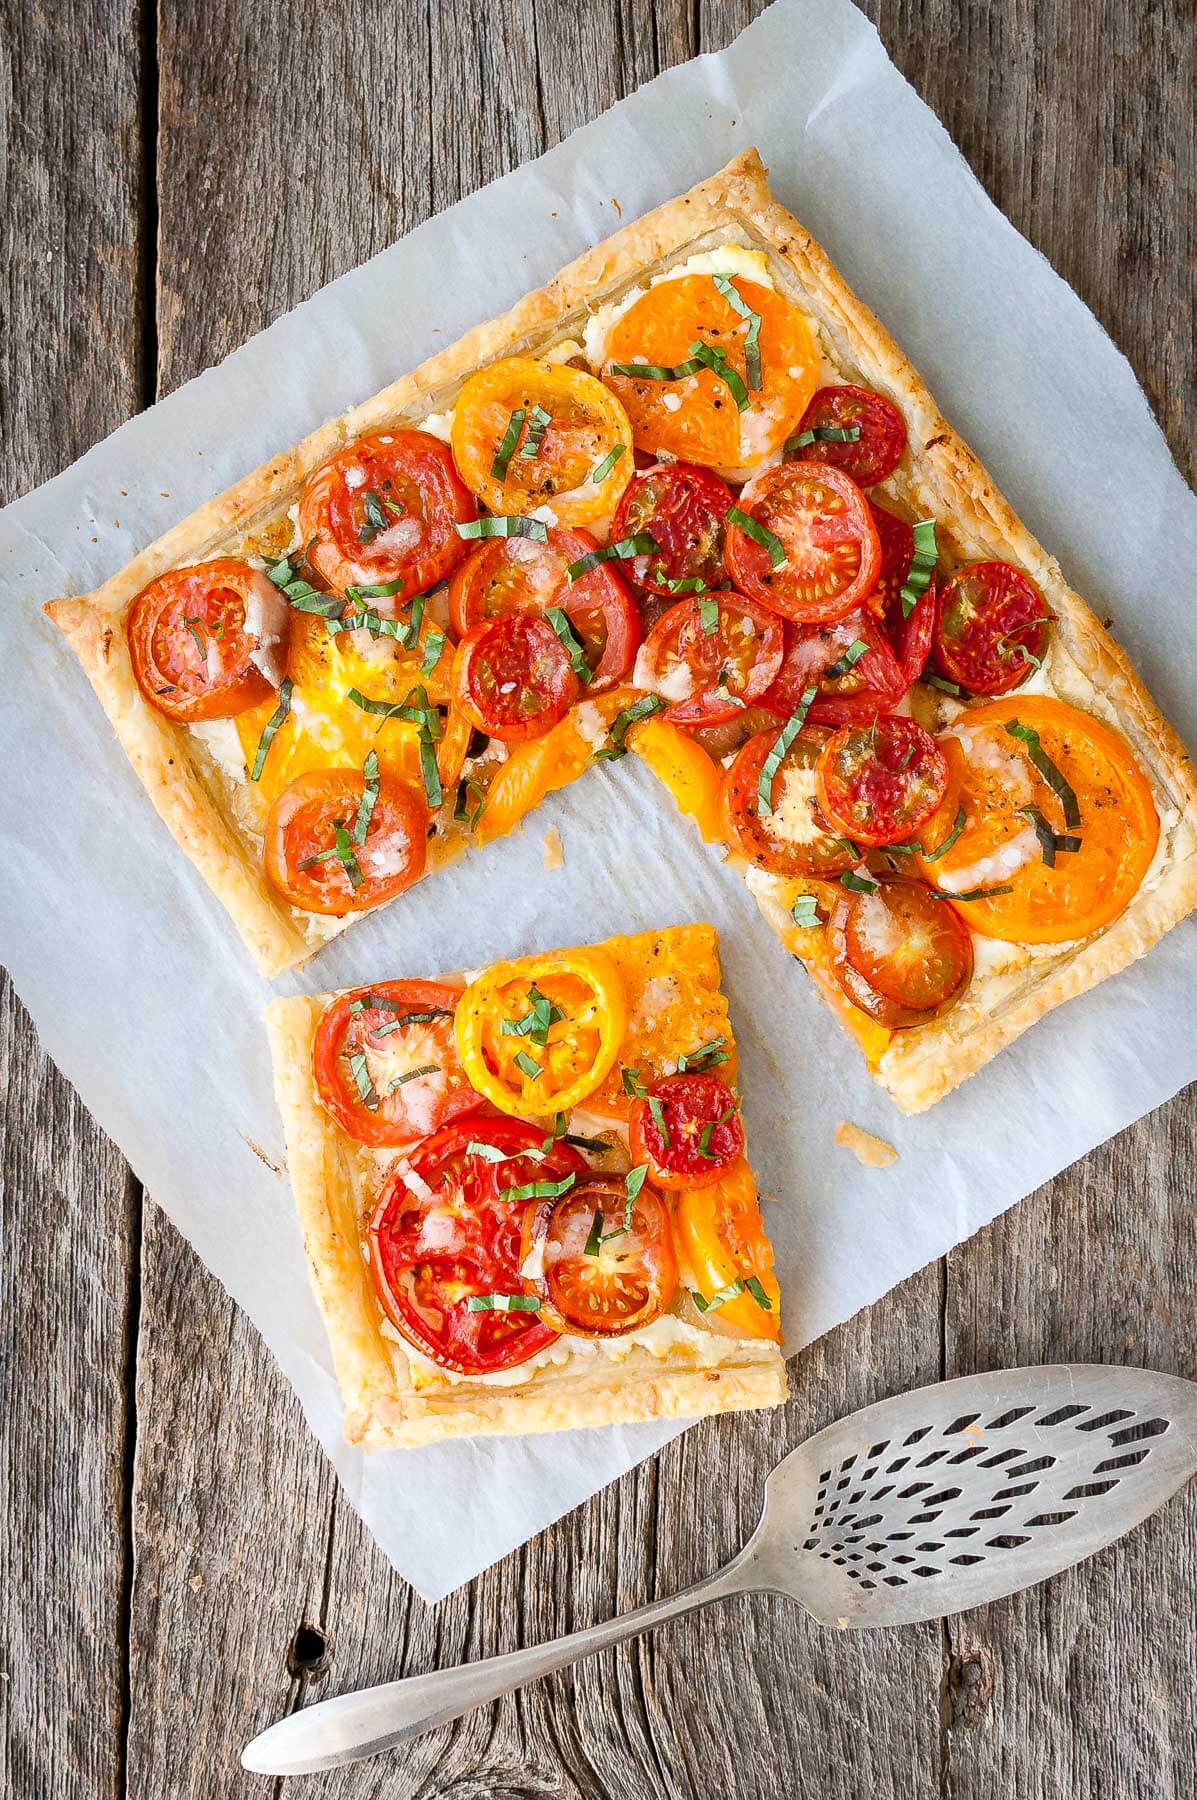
(693, 778)
(999, 847)
(540, 767)
(582, 423)
(722, 1240)
(707, 427)
(537, 1036)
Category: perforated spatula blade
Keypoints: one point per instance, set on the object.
(914, 1508)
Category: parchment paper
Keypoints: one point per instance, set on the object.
(143, 995)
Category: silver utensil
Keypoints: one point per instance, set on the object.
(911, 1509)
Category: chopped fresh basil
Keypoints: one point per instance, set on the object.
(346, 858)
(600, 471)
(534, 1024)
(944, 686)
(759, 534)
(413, 1075)
(633, 1181)
(503, 1303)
(195, 627)
(504, 525)
(594, 1242)
(272, 724)
(957, 828)
(707, 356)
(376, 519)
(857, 884)
(434, 645)
(633, 1085)
(977, 893)
(753, 1286)
(507, 444)
(527, 1066)
(1006, 649)
(642, 544)
(646, 371)
(782, 742)
(821, 434)
(538, 423)
(683, 584)
(658, 1113)
(922, 566)
(644, 708)
(708, 611)
(705, 1057)
(472, 789)
(1051, 843)
(559, 620)
(369, 798)
(1055, 778)
(852, 655)
(752, 337)
(743, 1284)
(375, 590)
(300, 594)
(703, 1146)
(805, 912)
(538, 1190)
(359, 1068)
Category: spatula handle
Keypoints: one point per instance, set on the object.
(354, 1726)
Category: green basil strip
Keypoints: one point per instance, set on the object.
(600, 471)
(776, 756)
(684, 584)
(848, 660)
(507, 444)
(194, 626)
(758, 1293)
(359, 1068)
(857, 884)
(538, 423)
(658, 1113)
(1051, 843)
(805, 912)
(705, 1057)
(633, 1085)
(732, 1291)
(300, 594)
(577, 659)
(538, 1190)
(632, 1184)
(752, 337)
(503, 1303)
(646, 371)
(535, 1022)
(643, 544)
(413, 1075)
(1055, 778)
(644, 708)
(375, 590)
(759, 534)
(346, 858)
(1007, 650)
(434, 645)
(272, 724)
(957, 828)
(376, 519)
(821, 434)
(430, 772)
(708, 357)
(593, 1243)
(525, 1064)
(709, 613)
(385, 709)
(922, 566)
(365, 811)
(504, 525)
(977, 893)
(944, 686)
(473, 789)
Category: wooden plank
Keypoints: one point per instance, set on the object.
(70, 370)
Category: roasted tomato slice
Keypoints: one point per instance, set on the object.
(529, 433)
(990, 628)
(851, 665)
(384, 510)
(688, 1130)
(697, 417)
(599, 1274)
(868, 458)
(386, 1065)
(814, 556)
(683, 508)
(1040, 870)
(313, 858)
(513, 678)
(711, 657)
(520, 575)
(792, 837)
(539, 1035)
(449, 1236)
(877, 783)
(909, 633)
(721, 1236)
(899, 952)
(203, 640)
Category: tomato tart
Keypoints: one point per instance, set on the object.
(689, 501)
(525, 1195)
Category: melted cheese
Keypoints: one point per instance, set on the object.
(792, 820)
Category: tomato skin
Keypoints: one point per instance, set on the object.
(747, 830)
(871, 686)
(342, 1032)
(878, 450)
(577, 1047)
(683, 506)
(631, 1280)
(747, 642)
(301, 824)
(722, 1238)
(688, 1104)
(876, 784)
(509, 575)
(524, 651)
(825, 528)
(980, 610)
(188, 617)
(919, 980)
(424, 1278)
(411, 470)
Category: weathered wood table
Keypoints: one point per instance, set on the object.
(176, 1566)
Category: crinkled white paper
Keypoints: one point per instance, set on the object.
(133, 974)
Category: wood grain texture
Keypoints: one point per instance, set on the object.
(1077, 115)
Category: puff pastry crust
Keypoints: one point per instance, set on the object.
(939, 477)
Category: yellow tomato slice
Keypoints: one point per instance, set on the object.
(585, 422)
(692, 777)
(811, 945)
(1084, 888)
(722, 1239)
(572, 1013)
(696, 418)
(545, 764)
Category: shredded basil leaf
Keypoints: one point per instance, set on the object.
(559, 620)
(413, 1075)
(957, 828)
(642, 544)
(300, 594)
(944, 686)
(821, 434)
(709, 613)
(759, 534)
(922, 566)
(752, 337)
(644, 708)
(272, 724)
(593, 1243)
(527, 1066)
(848, 660)
(365, 811)
(753, 1285)
(600, 471)
(504, 525)
(658, 1113)
(376, 519)
(538, 1190)
(1007, 650)
(705, 1057)
(597, 1146)
(534, 1024)
(538, 423)
(805, 912)
(646, 371)
(708, 357)
(473, 789)
(977, 893)
(776, 756)
(683, 584)
(632, 1183)
(703, 1146)
(633, 1085)
(503, 1303)
(507, 444)
(1051, 843)
(857, 884)
(1055, 778)
(359, 1068)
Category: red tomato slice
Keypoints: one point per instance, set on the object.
(821, 557)
(367, 1054)
(301, 842)
(683, 508)
(513, 679)
(792, 839)
(990, 628)
(910, 635)
(517, 575)
(194, 634)
(689, 1132)
(877, 783)
(714, 673)
(599, 1279)
(866, 683)
(429, 1255)
(383, 510)
(876, 453)
(900, 953)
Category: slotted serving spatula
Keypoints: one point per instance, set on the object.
(911, 1509)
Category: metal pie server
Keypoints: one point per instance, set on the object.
(917, 1507)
